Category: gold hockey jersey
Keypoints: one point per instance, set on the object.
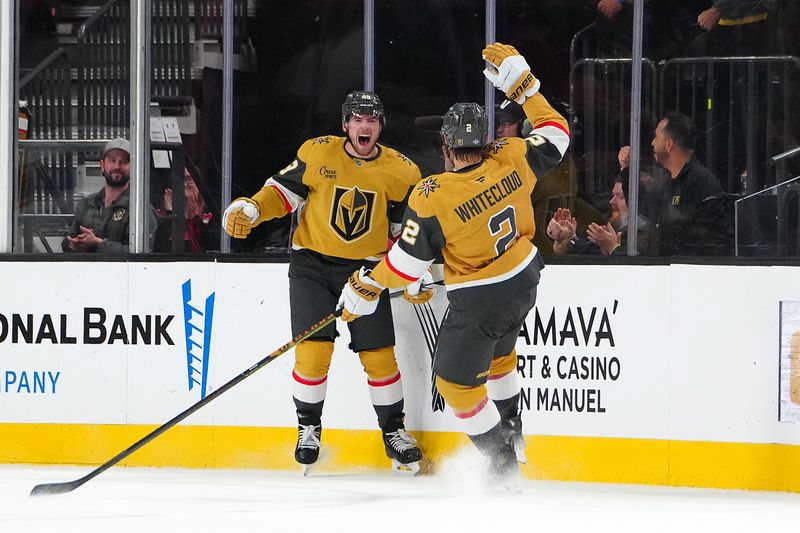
(480, 217)
(347, 204)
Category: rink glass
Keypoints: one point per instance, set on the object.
(293, 63)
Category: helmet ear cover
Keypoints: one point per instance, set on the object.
(465, 125)
(363, 103)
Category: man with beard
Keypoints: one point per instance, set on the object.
(101, 220)
(693, 219)
(351, 193)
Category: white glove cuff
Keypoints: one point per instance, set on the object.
(250, 210)
(415, 287)
(533, 90)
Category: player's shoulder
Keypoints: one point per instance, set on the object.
(401, 164)
(505, 147)
(320, 147)
(428, 193)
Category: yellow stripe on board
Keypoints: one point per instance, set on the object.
(613, 460)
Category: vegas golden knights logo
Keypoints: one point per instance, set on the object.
(351, 213)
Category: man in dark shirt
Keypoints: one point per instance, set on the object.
(693, 219)
(101, 220)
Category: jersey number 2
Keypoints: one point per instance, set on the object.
(410, 232)
(503, 226)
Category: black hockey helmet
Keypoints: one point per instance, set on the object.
(465, 125)
(363, 103)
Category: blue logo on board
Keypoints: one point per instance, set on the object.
(198, 317)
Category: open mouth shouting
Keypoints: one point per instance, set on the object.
(364, 143)
(364, 140)
(363, 132)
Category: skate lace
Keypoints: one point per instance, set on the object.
(308, 437)
(401, 441)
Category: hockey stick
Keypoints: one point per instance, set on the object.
(430, 331)
(46, 489)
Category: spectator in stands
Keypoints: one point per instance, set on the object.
(652, 182)
(737, 28)
(606, 239)
(101, 220)
(508, 120)
(200, 235)
(664, 35)
(693, 219)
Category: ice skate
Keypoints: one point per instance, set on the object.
(503, 470)
(517, 438)
(308, 443)
(402, 449)
(502, 466)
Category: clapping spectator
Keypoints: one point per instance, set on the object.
(101, 222)
(200, 235)
(606, 239)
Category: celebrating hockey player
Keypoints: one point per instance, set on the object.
(479, 216)
(353, 192)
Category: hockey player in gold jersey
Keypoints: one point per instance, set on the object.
(479, 216)
(353, 193)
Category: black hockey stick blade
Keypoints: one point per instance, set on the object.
(46, 489)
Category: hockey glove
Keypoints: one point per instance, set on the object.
(509, 72)
(240, 217)
(359, 296)
(414, 292)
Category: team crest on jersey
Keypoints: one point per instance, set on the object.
(496, 145)
(428, 186)
(351, 212)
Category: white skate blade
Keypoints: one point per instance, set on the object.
(519, 450)
(408, 469)
(307, 469)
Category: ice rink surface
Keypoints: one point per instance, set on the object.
(152, 500)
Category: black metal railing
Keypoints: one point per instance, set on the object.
(582, 44)
(49, 213)
(172, 49)
(767, 223)
(209, 22)
(103, 82)
(47, 177)
(744, 108)
(104, 70)
(600, 98)
(46, 90)
(175, 221)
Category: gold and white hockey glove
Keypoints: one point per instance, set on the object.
(359, 295)
(240, 217)
(509, 72)
(415, 293)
